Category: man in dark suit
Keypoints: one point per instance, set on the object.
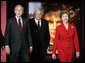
(1, 40)
(40, 35)
(17, 37)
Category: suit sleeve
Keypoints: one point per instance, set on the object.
(29, 35)
(76, 42)
(55, 45)
(47, 35)
(7, 32)
(1, 39)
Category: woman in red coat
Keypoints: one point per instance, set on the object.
(66, 40)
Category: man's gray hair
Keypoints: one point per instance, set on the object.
(19, 6)
(39, 9)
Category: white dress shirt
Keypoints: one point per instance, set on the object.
(18, 20)
(36, 21)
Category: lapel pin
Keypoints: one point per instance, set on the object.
(72, 27)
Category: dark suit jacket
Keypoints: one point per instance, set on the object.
(1, 39)
(40, 38)
(14, 38)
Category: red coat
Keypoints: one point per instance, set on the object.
(66, 38)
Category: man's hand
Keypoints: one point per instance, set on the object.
(7, 49)
(31, 49)
(77, 54)
(54, 56)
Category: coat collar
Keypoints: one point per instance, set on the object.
(15, 20)
(69, 26)
(41, 23)
(63, 26)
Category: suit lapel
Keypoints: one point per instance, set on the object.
(15, 20)
(41, 24)
(65, 27)
(23, 21)
(69, 28)
(16, 24)
(35, 25)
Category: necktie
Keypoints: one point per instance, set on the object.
(20, 26)
(39, 25)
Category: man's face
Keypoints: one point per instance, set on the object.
(38, 15)
(18, 11)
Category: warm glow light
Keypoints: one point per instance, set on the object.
(53, 18)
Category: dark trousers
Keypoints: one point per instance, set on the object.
(38, 57)
(21, 56)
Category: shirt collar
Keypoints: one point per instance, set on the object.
(37, 20)
(18, 18)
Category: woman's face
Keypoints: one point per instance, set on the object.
(64, 18)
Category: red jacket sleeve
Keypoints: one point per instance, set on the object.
(76, 41)
(55, 45)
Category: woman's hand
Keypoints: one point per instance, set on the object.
(77, 54)
(54, 56)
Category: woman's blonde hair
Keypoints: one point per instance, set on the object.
(64, 12)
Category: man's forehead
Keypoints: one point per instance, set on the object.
(38, 11)
(18, 7)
